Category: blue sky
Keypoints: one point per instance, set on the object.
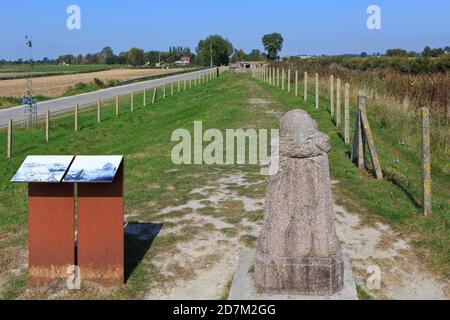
(308, 26)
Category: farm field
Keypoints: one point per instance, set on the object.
(54, 86)
(181, 215)
(9, 72)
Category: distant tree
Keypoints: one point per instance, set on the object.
(214, 50)
(255, 55)
(273, 43)
(432, 53)
(447, 50)
(106, 56)
(152, 57)
(364, 54)
(240, 55)
(121, 58)
(396, 53)
(136, 57)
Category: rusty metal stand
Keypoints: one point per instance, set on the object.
(101, 231)
(51, 232)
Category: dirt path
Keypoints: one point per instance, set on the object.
(368, 245)
(213, 254)
(377, 245)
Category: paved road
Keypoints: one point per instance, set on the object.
(87, 99)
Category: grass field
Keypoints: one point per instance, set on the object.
(154, 184)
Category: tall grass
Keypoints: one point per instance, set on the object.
(396, 96)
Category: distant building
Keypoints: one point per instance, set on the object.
(248, 66)
(184, 61)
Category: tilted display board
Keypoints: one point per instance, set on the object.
(46, 169)
(93, 169)
(51, 204)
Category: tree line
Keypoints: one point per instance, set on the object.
(213, 50)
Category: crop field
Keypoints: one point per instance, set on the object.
(53, 86)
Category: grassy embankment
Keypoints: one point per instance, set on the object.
(144, 138)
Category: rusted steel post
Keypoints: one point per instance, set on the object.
(347, 114)
(426, 162)
(332, 95)
(47, 126)
(9, 142)
(51, 232)
(305, 93)
(101, 231)
(317, 90)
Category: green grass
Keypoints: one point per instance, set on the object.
(144, 138)
(396, 199)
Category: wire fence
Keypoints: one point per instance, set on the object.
(399, 131)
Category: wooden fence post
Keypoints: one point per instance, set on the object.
(358, 146)
(190, 83)
(289, 80)
(332, 95)
(117, 105)
(144, 97)
(9, 142)
(47, 126)
(282, 79)
(273, 78)
(278, 77)
(155, 92)
(184, 85)
(347, 114)
(317, 90)
(305, 93)
(164, 91)
(296, 83)
(171, 88)
(426, 162)
(99, 105)
(76, 117)
(367, 133)
(338, 102)
(132, 101)
(179, 86)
